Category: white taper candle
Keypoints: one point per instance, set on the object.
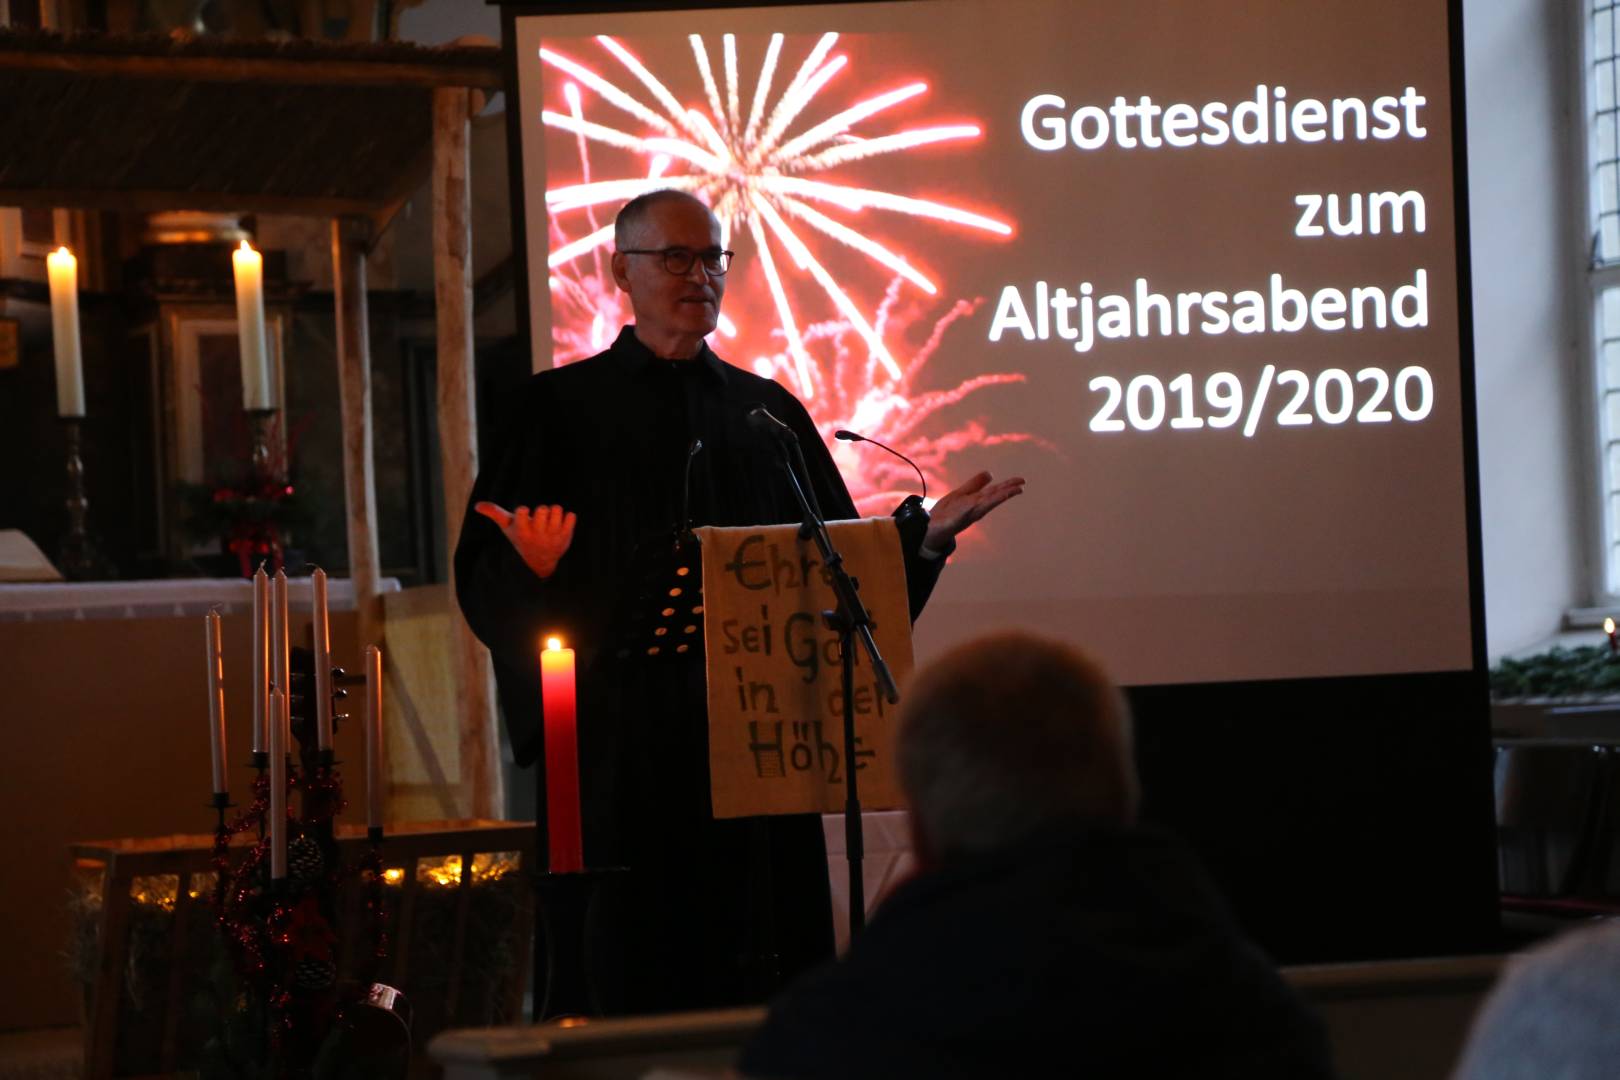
(63, 271)
(374, 735)
(278, 785)
(216, 700)
(261, 657)
(257, 390)
(281, 653)
(323, 663)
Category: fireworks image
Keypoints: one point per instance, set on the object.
(784, 182)
(857, 393)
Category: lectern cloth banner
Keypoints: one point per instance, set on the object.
(776, 700)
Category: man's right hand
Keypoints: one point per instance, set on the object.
(541, 535)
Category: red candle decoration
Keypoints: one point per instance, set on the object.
(1614, 637)
(562, 758)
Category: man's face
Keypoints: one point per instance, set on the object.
(669, 305)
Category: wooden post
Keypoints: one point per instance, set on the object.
(458, 427)
(349, 239)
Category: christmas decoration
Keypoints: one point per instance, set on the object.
(249, 505)
(281, 933)
(304, 859)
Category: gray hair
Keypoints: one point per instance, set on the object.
(1555, 1014)
(1009, 733)
(633, 215)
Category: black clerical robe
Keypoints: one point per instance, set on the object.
(609, 439)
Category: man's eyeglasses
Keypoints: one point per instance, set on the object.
(679, 260)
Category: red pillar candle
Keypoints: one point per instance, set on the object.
(562, 758)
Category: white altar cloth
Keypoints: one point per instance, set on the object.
(161, 598)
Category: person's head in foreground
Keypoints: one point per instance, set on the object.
(1048, 933)
(1555, 1014)
(1007, 737)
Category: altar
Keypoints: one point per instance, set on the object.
(107, 717)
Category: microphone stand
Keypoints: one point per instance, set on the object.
(852, 621)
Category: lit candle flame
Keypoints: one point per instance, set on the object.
(1608, 626)
(554, 644)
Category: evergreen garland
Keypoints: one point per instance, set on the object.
(1584, 671)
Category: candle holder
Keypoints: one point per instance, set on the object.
(260, 460)
(79, 558)
(372, 873)
(259, 761)
(563, 968)
(284, 933)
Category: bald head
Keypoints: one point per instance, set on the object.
(630, 227)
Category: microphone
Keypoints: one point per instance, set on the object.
(686, 488)
(911, 516)
(849, 436)
(761, 420)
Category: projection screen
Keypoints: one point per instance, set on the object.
(1189, 268)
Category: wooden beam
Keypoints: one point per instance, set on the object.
(151, 202)
(282, 71)
(362, 20)
(458, 428)
(350, 238)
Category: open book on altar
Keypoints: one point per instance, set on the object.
(775, 694)
(21, 559)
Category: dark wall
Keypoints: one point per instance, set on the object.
(314, 412)
(1345, 819)
(33, 443)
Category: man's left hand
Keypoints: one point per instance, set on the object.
(966, 504)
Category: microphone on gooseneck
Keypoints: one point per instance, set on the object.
(850, 436)
(761, 420)
(686, 489)
(911, 516)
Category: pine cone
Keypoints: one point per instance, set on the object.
(312, 974)
(304, 859)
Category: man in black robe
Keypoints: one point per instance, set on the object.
(601, 469)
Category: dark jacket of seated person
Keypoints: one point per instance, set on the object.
(1085, 951)
(1048, 934)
